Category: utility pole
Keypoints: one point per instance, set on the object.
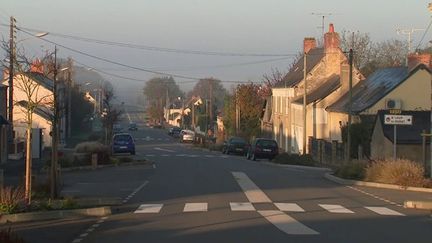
(351, 60)
(430, 131)
(11, 67)
(304, 101)
(54, 134)
(69, 107)
(210, 102)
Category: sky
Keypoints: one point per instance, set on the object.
(224, 26)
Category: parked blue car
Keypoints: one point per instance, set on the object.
(123, 143)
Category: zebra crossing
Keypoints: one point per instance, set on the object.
(284, 207)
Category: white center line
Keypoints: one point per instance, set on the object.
(281, 220)
(252, 192)
(286, 223)
(165, 150)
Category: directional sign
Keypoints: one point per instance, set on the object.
(398, 119)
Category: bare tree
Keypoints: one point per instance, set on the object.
(271, 79)
(111, 114)
(33, 99)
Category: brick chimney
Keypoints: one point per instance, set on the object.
(415, 59)
(37, 66)
(308, 44)
(331, 38)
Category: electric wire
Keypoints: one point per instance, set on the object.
(424, 34)
(156, 48)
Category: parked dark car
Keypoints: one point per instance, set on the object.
(263, 148)
(133, 127)
(235, 145)
(174, 131)
(123, 143)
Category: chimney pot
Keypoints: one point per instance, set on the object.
(415, 59)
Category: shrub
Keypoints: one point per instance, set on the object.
(11, 199)
(294, 159)
(101, 150)
(400, 172)
(7, 236)
(353, 171)
(69, 203)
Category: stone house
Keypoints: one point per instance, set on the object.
(327, 80)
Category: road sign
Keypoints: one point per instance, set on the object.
(398, 119)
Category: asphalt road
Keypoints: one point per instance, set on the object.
(193, 195)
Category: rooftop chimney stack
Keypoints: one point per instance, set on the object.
(415, 59)
(331, 38)
(309, 43)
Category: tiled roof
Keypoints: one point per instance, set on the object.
(43, 111)
(294, 76)
(369, 91)
(332, 83)
(41, 79)
(409, 134)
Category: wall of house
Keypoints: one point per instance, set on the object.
(414, 93)
(38, 122)
(281, 116)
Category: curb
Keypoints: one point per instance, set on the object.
(92, 202)
(338, 180)
(302, 167)
(418, 204)
(89, 167)
(58, 214)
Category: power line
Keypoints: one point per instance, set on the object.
(156, 48)
(424, 34)
(125, 65)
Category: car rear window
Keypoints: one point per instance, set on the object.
(124, 137)
(267, 143)
(237, 140)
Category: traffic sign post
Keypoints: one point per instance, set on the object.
(397, 120)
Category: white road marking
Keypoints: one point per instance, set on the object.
(165, 150)
(154, 166)
(384, 211)
(195, 207)
(150, 155)
(335, 208)
(289, 207)
(252, 192)
(242, 206)
(149, 208)
(286, 223)
(83, 235)
(165, 155)
(77, 241)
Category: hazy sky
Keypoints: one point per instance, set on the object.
(240, 26)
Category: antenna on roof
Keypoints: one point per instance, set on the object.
(408, 33)
(323, 16)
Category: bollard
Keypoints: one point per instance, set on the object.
(94, 161)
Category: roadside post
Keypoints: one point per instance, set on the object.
(397, 120)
